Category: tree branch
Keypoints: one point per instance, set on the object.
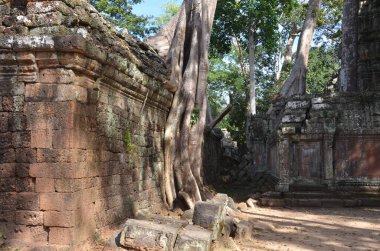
(220, 116)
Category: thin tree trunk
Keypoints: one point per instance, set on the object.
(188, 58)
(241, 61)
(289, 46)
(296, 82)
(218, 118)
(252, 83)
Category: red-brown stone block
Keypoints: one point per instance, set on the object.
(7, 170)
(41, 139)
(61, 236)
(44, 185)
(57, 201)
(26, 155)
(59, 219)
(30, 218)
(28, 201)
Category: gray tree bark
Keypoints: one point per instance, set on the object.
(188, 57)
(348, 72)
(252, 77)
(296, 82)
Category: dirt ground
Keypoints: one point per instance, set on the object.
(313, 229)
(317, 229)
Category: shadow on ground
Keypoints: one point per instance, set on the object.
(335, 229)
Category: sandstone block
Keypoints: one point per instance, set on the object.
(21, 139)
(8, 201)
(244, 230)
(30, 234)
(59, 219)
(4, 121)
(56, 76)
(54, 170)
(22, 170)
(30, 218)
(7, 155)
(61, 236)
(49, 6)
(41, 139)
(57, 201)
(7, 216)
(25, 155)
(145, 234)
(7, 170)
(25, 185)
(210, 216)
(5, 140)
(28, 201)
(7, 185)
(17, 122)
(193, 238)
(44, 185)
(40, 92)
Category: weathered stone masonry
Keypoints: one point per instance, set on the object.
(332, 141)
(82, 117)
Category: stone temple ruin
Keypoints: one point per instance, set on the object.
(82, 116)
(331, 142)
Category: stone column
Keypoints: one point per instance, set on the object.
(284, 165)
(348, 73)
(328, 158)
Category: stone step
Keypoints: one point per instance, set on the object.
(320, 202)
(308, 188)
(326, 195)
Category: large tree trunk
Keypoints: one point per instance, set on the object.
(348, 72)
(288, 54)
(188, 58)
(252, 83)
(296, 82)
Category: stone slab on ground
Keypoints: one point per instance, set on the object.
(210, 215)
(194, 238)
(148, 235)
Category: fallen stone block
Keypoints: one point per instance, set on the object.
(140, 234)
(229, 227)
(252, 203)
(209, 216)
(243, 231)
(194, 238)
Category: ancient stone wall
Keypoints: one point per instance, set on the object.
(82, 119)
(330, 141)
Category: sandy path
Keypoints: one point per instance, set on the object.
(314, 229)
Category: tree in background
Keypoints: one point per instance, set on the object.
(296, 82)
(119, 12)
(245, 25)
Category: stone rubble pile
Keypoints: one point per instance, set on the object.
(209, 225)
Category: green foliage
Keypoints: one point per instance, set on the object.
(194, 116)
(169, 9)
(119, 12)
(226, 84)
(128, 145)
(323, 66)
(233, 19)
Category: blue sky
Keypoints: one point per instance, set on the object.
(152, 7)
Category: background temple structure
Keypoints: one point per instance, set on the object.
(82, 116)
(331, 142)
